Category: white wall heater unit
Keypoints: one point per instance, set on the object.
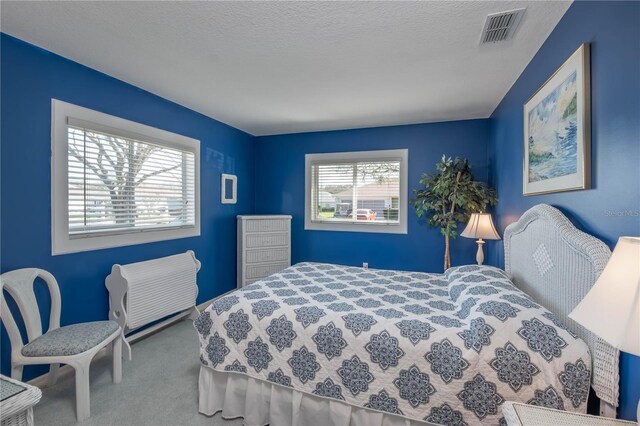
(144, 292)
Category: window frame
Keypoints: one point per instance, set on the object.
(355, 156)
(61, 241)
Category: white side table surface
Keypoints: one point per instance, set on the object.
(17, 401)
(519, 414)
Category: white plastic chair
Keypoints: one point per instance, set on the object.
(74, 345)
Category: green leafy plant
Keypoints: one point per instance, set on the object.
(448, 198)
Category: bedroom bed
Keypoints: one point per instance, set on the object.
(328, 344)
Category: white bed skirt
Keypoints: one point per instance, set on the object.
(263, 403)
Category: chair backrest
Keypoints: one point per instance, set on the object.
(19, 284)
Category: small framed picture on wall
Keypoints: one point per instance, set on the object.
(229, 189)
(557, 130)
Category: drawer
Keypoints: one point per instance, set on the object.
(271, 255)
(267, 240)
(261, 271)
(267, 225)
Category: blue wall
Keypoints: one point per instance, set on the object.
(280, 178)
(30, 78)
(271, 169)
(612, 207)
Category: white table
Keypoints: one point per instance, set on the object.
(17, 401)
(519, 414)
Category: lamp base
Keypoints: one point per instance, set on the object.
(480, 253)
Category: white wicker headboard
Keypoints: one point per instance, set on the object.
(555, 263)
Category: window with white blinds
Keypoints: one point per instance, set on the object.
(119, 184)
(126, 183)
(357, 191)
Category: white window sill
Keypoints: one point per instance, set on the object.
(78, 244)
(374, 228)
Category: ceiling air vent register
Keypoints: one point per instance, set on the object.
(501, 26)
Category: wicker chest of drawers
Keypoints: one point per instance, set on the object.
(264, 246)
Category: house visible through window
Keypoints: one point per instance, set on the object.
(124, 183)
(360, 191)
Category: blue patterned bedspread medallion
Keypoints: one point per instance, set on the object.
(446, 348)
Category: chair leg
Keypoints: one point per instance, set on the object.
(53, 374)
(117, 360)
(16, 372)
(83, 401)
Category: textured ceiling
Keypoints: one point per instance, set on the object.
(284, 67)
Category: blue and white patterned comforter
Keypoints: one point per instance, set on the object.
(447, 348)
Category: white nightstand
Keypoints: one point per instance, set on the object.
(518, 414)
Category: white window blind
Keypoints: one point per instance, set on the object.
(120, 184)
(357, 192)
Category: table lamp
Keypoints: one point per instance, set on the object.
(611, 309)
(480, 226)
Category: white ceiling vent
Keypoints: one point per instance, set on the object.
(501, 26)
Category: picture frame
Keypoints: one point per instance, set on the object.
(557, 130)
(228, 189)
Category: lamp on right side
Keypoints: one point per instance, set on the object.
(611, 309)
(480, 226)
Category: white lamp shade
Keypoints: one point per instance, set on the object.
(611, 309)
(480, 226)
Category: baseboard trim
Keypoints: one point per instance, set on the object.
(65, 370)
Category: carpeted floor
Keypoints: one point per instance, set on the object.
(159, 387)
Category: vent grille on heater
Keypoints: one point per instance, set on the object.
(501, 26)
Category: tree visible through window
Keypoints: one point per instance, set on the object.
(119, 184)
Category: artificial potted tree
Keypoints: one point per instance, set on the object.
(449, 196)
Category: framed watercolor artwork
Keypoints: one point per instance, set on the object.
(557, 130)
